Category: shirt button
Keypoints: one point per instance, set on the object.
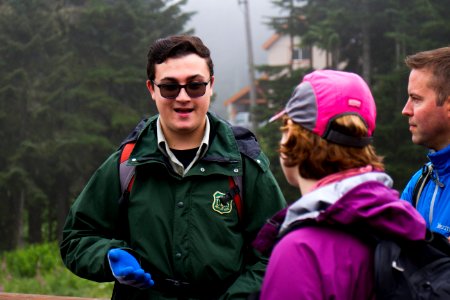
(178, 255)
(202, 169)
(180, 204)
(236, 170)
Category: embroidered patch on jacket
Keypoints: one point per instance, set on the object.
(219, 206)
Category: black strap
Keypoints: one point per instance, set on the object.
(347, 140)
(427, 169)
(134, 134)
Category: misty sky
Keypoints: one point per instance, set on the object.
(221, 25)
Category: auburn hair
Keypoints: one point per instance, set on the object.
(317, 157)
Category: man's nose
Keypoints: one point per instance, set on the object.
(182, 95)
(407, 110)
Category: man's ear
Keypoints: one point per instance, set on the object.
(211, 83)
(447, 105)
(150, 88)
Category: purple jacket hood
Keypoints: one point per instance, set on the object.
(366, 201)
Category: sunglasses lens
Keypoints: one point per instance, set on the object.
(195, 89)
(169, 91)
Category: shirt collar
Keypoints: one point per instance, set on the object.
(176, 164)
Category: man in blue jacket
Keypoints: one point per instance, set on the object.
(428, 112)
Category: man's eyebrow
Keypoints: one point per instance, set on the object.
(415, 95)
(190, 78)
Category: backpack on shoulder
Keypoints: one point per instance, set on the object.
(247, 144)
(413, 270)
(427, 170)
(405, 270)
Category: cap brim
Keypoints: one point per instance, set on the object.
(277, 116)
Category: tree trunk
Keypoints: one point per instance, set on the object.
(35, 222)
(11, 210)
(62, 206)
(366, 65)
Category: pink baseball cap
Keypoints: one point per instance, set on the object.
(323, 96)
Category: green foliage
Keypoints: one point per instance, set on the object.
(372, 38)
(73, 85)
(38, 269)
(28, 262)
(392, 138)
(269, 135)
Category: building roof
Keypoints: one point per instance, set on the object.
(242, 92)
(271, 40)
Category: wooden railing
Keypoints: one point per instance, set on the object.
(14, 296)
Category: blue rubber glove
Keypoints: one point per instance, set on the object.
(127, 270)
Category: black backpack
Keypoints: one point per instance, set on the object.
(404, 270)
(247, 144)
(413, 270)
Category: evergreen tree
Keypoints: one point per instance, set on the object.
(372, 38)
(29, 39)
(73, 85)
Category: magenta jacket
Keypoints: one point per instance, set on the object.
(329, 263)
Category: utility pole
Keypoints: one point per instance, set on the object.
(251, 66)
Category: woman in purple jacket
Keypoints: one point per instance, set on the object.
(325, 151)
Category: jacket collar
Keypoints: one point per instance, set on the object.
(174, 162)
(222, 147)
(441, 160)
(312, 204)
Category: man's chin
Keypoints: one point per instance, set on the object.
(420, 142)
(185, 128)
(416, 141)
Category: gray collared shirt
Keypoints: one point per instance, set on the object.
(174, 162)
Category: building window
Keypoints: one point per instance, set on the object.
(301, 53)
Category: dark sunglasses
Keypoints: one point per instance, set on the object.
(194, 89)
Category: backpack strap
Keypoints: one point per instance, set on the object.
(427, 169)
(134, 134)
(246, 141)
(126, 172)
(236, 193)
(247, 144)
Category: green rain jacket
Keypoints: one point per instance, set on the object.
(177, 229)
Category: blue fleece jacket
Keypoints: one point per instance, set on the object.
(434, 201)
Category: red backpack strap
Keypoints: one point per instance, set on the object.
(126, 171)
(235, 191)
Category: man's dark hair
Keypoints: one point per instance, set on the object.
(436, 61)
(174, 47)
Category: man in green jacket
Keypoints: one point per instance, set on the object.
(180, 235)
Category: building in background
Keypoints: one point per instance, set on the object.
(282, 51)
